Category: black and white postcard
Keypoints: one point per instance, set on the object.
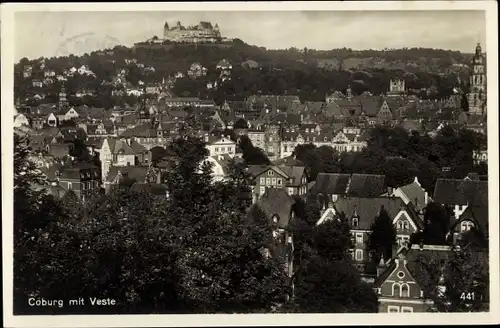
(250, 163)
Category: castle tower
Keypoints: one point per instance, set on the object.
(165, 31)
(477, 94)
(349, 92)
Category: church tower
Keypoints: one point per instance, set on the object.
(477, 94)
(63, 101)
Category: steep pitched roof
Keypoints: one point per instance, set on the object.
(461, 192)
(368, 208)
(133, 172)
(331, 183)
(366, 185)
(276, 201)
(479, 214)
(294, 172)
(415, 193)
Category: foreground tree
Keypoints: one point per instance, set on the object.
(458, 282)
(326, 275)
(382, 237)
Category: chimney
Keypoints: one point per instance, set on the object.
(416, 180)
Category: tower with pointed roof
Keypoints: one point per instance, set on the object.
(63, 101)
(477, 94)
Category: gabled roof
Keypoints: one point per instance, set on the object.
(477, 214)
(118, 145)
(368, 208)
(294, 172)
(461, 192)
(415, 194)
(276, 201)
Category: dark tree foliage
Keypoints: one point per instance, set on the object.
(325, 273)
(241, 123)
(200, 250)
(251, 154)
(382, 237)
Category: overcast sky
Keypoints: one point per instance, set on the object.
(42, 33)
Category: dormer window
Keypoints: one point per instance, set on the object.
(355, 222)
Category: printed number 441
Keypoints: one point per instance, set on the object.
(467, 296)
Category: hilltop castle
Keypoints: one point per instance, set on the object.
(203, 32)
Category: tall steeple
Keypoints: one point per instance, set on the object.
(477, 94)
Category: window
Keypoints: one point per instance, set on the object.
(290, 191)
(401, 274)
(359, 238)
(351, 251)
(270, 172)
(262, 190)
(395, 287)
(262, 181)
(70, 186)
(466, 226)
(279, 182)
(83, 185)
(359, 255)
(406, 226)
(406, 309)
(216, 149)
(268, 181)
(273, 180)
(355, 222)
(393, 309)
(404, 291)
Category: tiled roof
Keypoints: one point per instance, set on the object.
(366, 185)
(143, 131)
(276, 201)
(117, 145)
(59, 150)
(137, 173)
(331, 183)
(461, 192)
(415, 193)
(479, 214)
(368, 208)
(371, 105)
(294, 172)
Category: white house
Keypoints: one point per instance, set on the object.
(71, 114)
(219, 165)
(52, 120)
(20, 120)
(221, 146)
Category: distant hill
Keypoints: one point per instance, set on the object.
(308, 73)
